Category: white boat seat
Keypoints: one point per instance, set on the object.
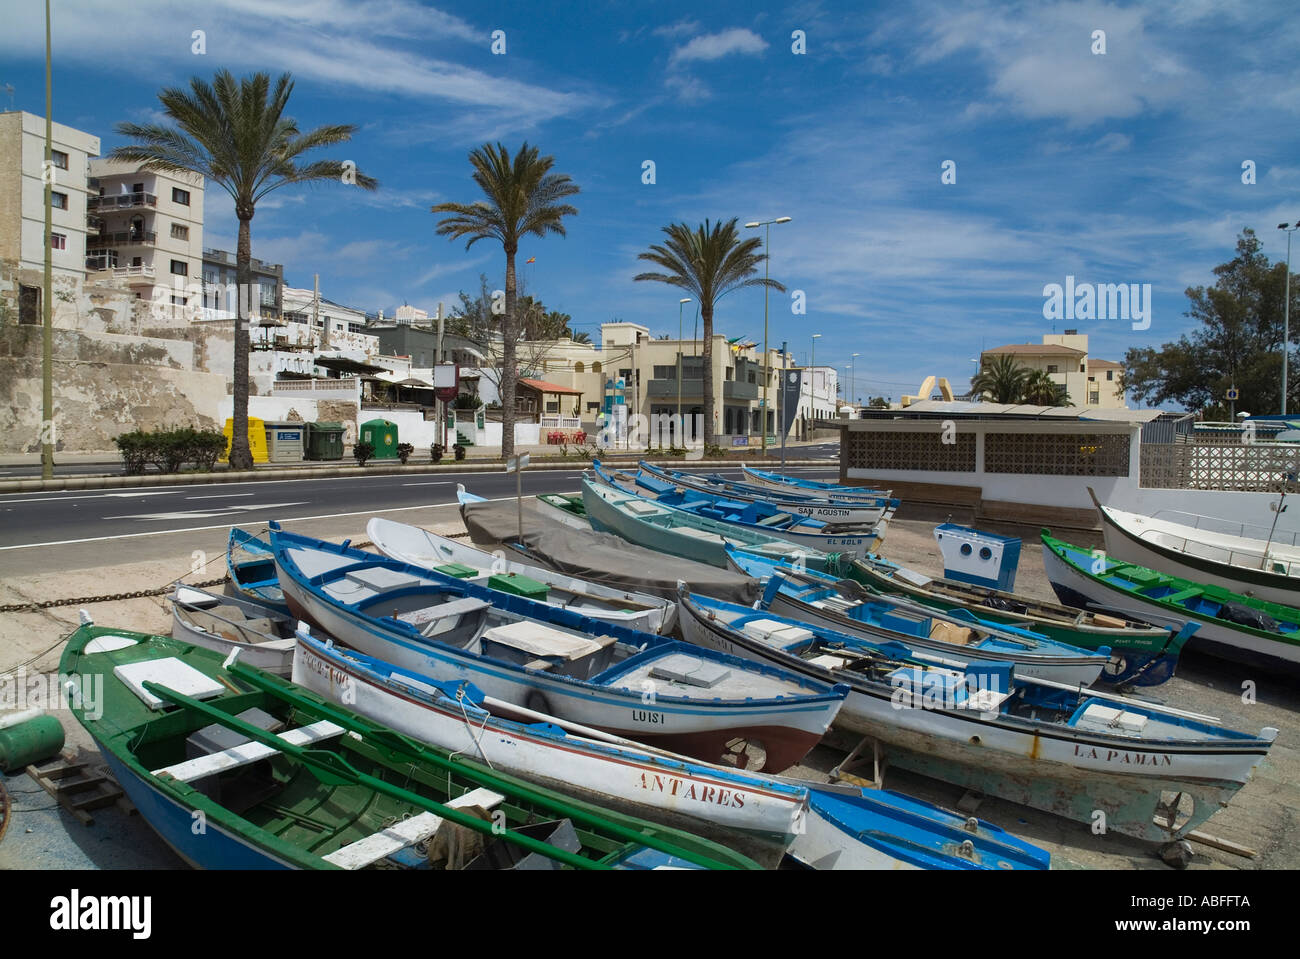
(170, 672)
(681, 668)
(776, 519)
(703, 534)
(539, 640)
(827, 661)
(247, 753)
(428, 616)
(1108, 719)
(407, 832)
(642, 508)
(774, 633)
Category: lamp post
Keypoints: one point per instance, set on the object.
(767, 358)
(680, 427)
(1286, 310)
(812, 376)
(853, 387)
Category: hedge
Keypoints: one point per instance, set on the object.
(170, 449)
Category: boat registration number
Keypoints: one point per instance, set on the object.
(645, 716)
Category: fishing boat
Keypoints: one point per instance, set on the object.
(764, 816)
(1154, 772)
(619, 680)
(1141, 654)
(758, 517)
(953, 640)
(237, 769)
(1252, 565)
(833, 512)
(809, 487)
(251, 571)
(557, 507)
(419, 547)
(674, 531)
(1231, 625)
(264, 637)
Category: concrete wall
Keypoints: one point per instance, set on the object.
(304, 408)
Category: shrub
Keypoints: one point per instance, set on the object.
(460, 451)
(362, 452)
(435, 452)
(170, 449)
(404, 451)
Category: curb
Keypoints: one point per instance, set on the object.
(331, 472)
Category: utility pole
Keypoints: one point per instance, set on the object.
(782, 401)
(315, 312)
(47, 339)
(439, 406)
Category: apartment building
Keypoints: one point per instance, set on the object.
(265, 300)
(1064, 357)
(22, 204)
(150, 231)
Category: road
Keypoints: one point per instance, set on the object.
(47, 531)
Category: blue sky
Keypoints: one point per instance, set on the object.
(1122, 167)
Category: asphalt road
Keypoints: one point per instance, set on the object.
(82, 529)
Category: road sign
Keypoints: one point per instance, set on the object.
(516, 463)
(1233, 394)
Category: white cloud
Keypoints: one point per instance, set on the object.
(714, 46)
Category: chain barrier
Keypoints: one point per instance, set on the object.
(139, 593)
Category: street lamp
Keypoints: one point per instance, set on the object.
(852, 385)
(681, 429)
(812, 375)
(767, 259)
(1286, 310)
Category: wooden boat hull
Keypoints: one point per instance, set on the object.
(787, 728)
(1076, 587)
(252, 572)
(419, 547)
(274, 653)
(1128, 544)
(1071, 773)
(812, 487)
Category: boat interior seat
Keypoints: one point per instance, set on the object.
(776, 519)
(641, 507)
(247, 752)
(441, 617)
(407, 832)
(654, 484)
(947, 632)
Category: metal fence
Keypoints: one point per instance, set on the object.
(1256, 467)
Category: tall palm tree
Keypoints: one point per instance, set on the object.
(235, 133)
(709, 262)
(1001, 381)
(522, 198)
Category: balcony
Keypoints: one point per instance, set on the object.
(126, 238)
(731, 390)
(667, 388)
(120, 201)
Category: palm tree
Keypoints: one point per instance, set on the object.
(1041, 390)
(522, 197)
(708, 262)
(1001, 381)
(235, 133)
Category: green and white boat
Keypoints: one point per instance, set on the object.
(1231, 625)
(238, 769)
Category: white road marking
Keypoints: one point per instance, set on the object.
(205, 514)
(221, 496)
(444, 483)
(226, 526)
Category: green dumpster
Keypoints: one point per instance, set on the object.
(324, 441)
(382, 435)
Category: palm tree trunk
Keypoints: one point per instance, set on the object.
(508, 372)
(241, 457)
(706, 314)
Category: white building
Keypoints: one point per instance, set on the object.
(22, 199)
(150, 231)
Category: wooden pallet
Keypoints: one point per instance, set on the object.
(79, 788)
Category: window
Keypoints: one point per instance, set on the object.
(1094, 398)
(625, 375)
(579, 367)
(1052, 368)
(180, 196)
(665, 372)
(751, 377)
(593, 407)
(29, 305)
(58, 241)
(730, 374)
(180, 232)
(59, 158)
(180, 268)
(1110, 374)
(595, 367)
(59, 201)
(137, 187)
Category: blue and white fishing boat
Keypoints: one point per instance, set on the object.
(948, 640)
(831, 512)
(551, 660)
(252, 570)
(419, 547)
(832, 827)
(676, 531)
(769, 480)
(1070, 751)
(761, 518)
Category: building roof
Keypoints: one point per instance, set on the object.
(541, 386)
(1104, 365)
(1036, 349)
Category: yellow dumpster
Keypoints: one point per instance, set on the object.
(256, 439)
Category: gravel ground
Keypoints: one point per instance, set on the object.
(1262, 816)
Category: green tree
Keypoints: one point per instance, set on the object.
(1002, 380)
(523, 197)
(1238, 342)
(235, 133)
(1041, 390)
(708, 262)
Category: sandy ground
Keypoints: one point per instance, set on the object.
(1262, 816)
